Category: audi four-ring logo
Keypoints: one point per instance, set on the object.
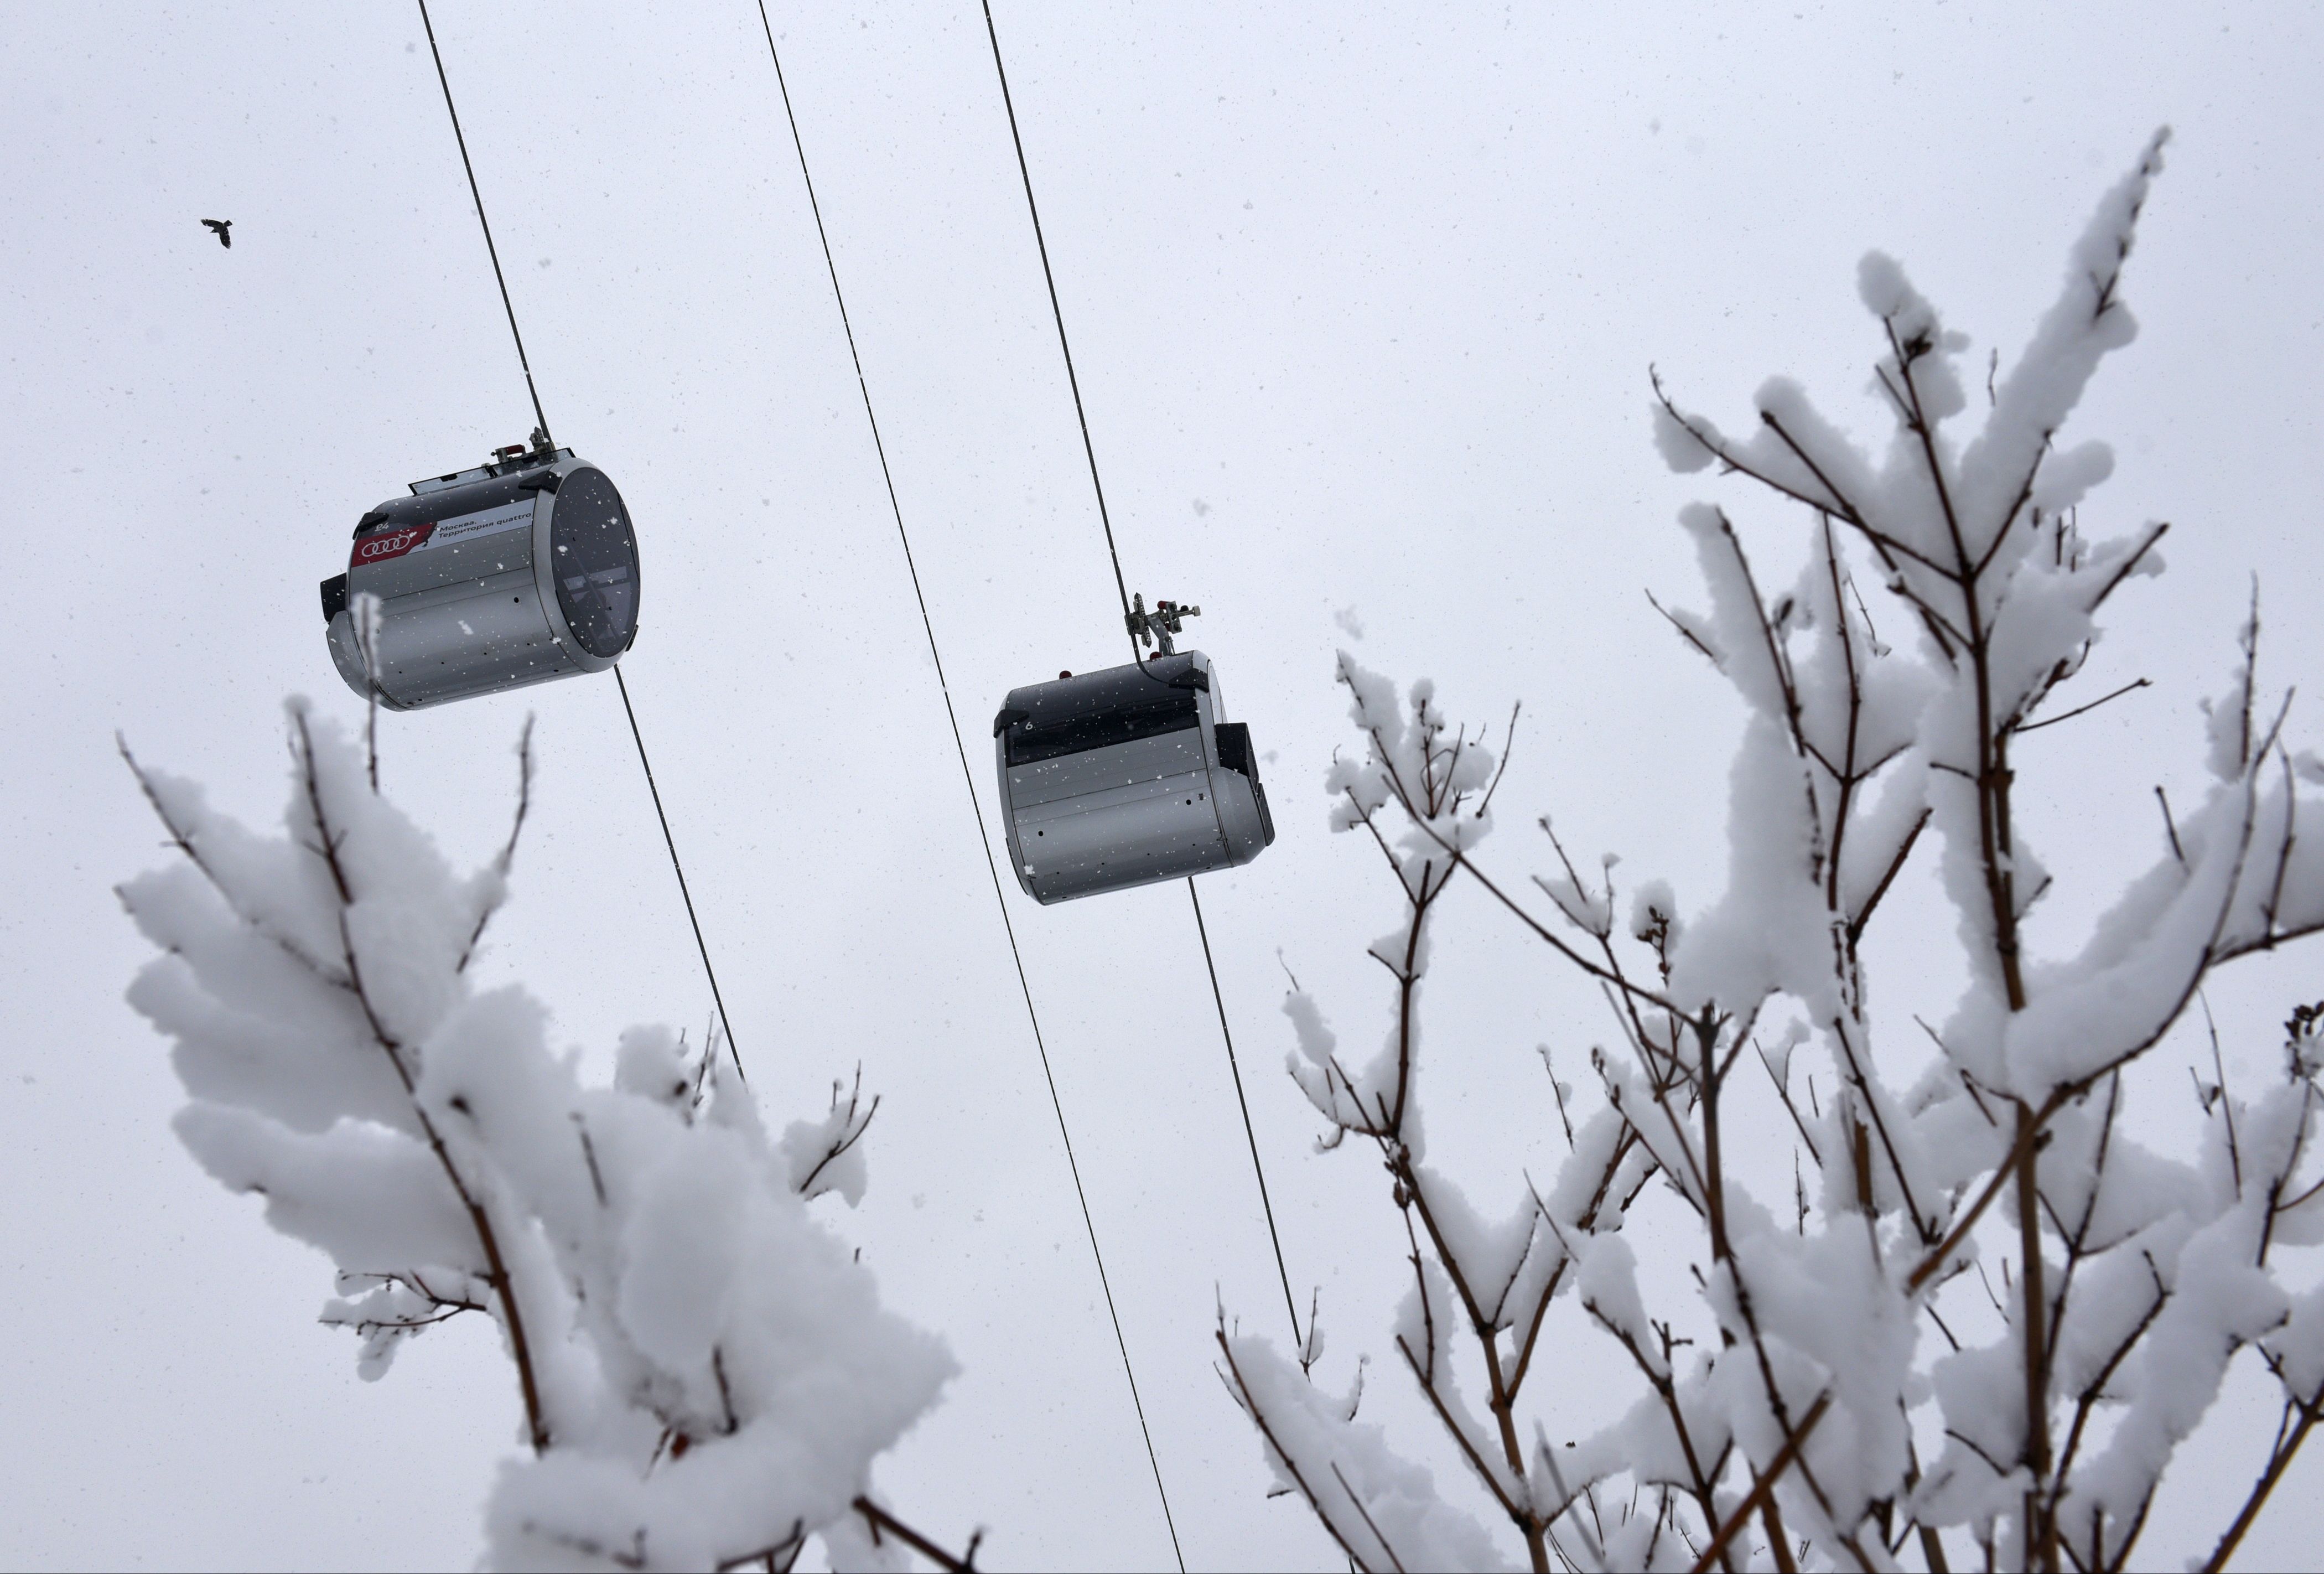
(379, 549)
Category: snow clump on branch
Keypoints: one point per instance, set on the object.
(706, 1373)
(1804, 1338)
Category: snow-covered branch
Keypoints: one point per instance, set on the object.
(706, 1372)
(1794, 1360)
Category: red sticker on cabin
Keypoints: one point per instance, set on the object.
(389, 543)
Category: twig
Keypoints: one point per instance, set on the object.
(1461, 859)
(589, 1152)
(2003, 1174)
(881, 1520)
(1509, 747)
(1766, 1484)
(853, 1129)
(2279, 1460)
(1685, 632)
(479, 1216)
(1904, 849)
(1557, 1090)
(1783, 1092)
(1259, 1418)
(2128, 563)
(1459, 1435)
(1567, 1497)
(2169, 826)
(506, 858)
(2226, 1104)
(1368, 1525)
(2026, 727)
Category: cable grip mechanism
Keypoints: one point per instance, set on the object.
(1160, 624)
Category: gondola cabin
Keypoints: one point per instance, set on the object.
(515, 572)
(1124, 777)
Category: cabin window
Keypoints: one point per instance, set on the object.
(594, 557)
(1101, 709)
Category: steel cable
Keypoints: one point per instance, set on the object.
(1097, 485)
(547, 442)
(983, 837)
(499, 278)
(716, 999)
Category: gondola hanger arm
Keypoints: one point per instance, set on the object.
(1162, 624)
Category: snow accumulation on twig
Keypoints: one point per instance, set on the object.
(1791, 1409)
(706, 1372)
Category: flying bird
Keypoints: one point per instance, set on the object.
(219, 226)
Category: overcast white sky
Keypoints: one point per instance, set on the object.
(1363, 298)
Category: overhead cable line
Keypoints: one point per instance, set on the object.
(1097, 485)
(1072, 379)
(686, 895)
(545, 441)
(486, 224)
(1289, 1305)
(983, 838)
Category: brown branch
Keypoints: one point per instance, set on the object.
(2170, 826)
(726, 1392)
(507, 857)
(1836, 503)
(2016, 504)
(1714, 1173)
(1775, 662)
(2274, 904)
(1684, 632)
(1462, 860)
(1921, 1226)
(1762, 1493)
(1459, 1435)
(1557, 1091)
(1783, 1092)
(1622, 1144)
(1667, 1389)
(479, 1216)
(2279, 1460)
(2122, 573)
(1509, 747)
(1917, 423)
(2087, 1401)
(1847, 783)
(589, 1152)
(881, 1520)
(398, 1324)
(1679, 1178)
(2025, 727)
(1864, 915)
(2002, 1174)
(1365, 816)
(1370, 1524)
(853, 1129)
(1259, 1418)
(1407, 984)
(2283, 1207)
(1840, 504)
(182, 839)
(2041, 1525)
